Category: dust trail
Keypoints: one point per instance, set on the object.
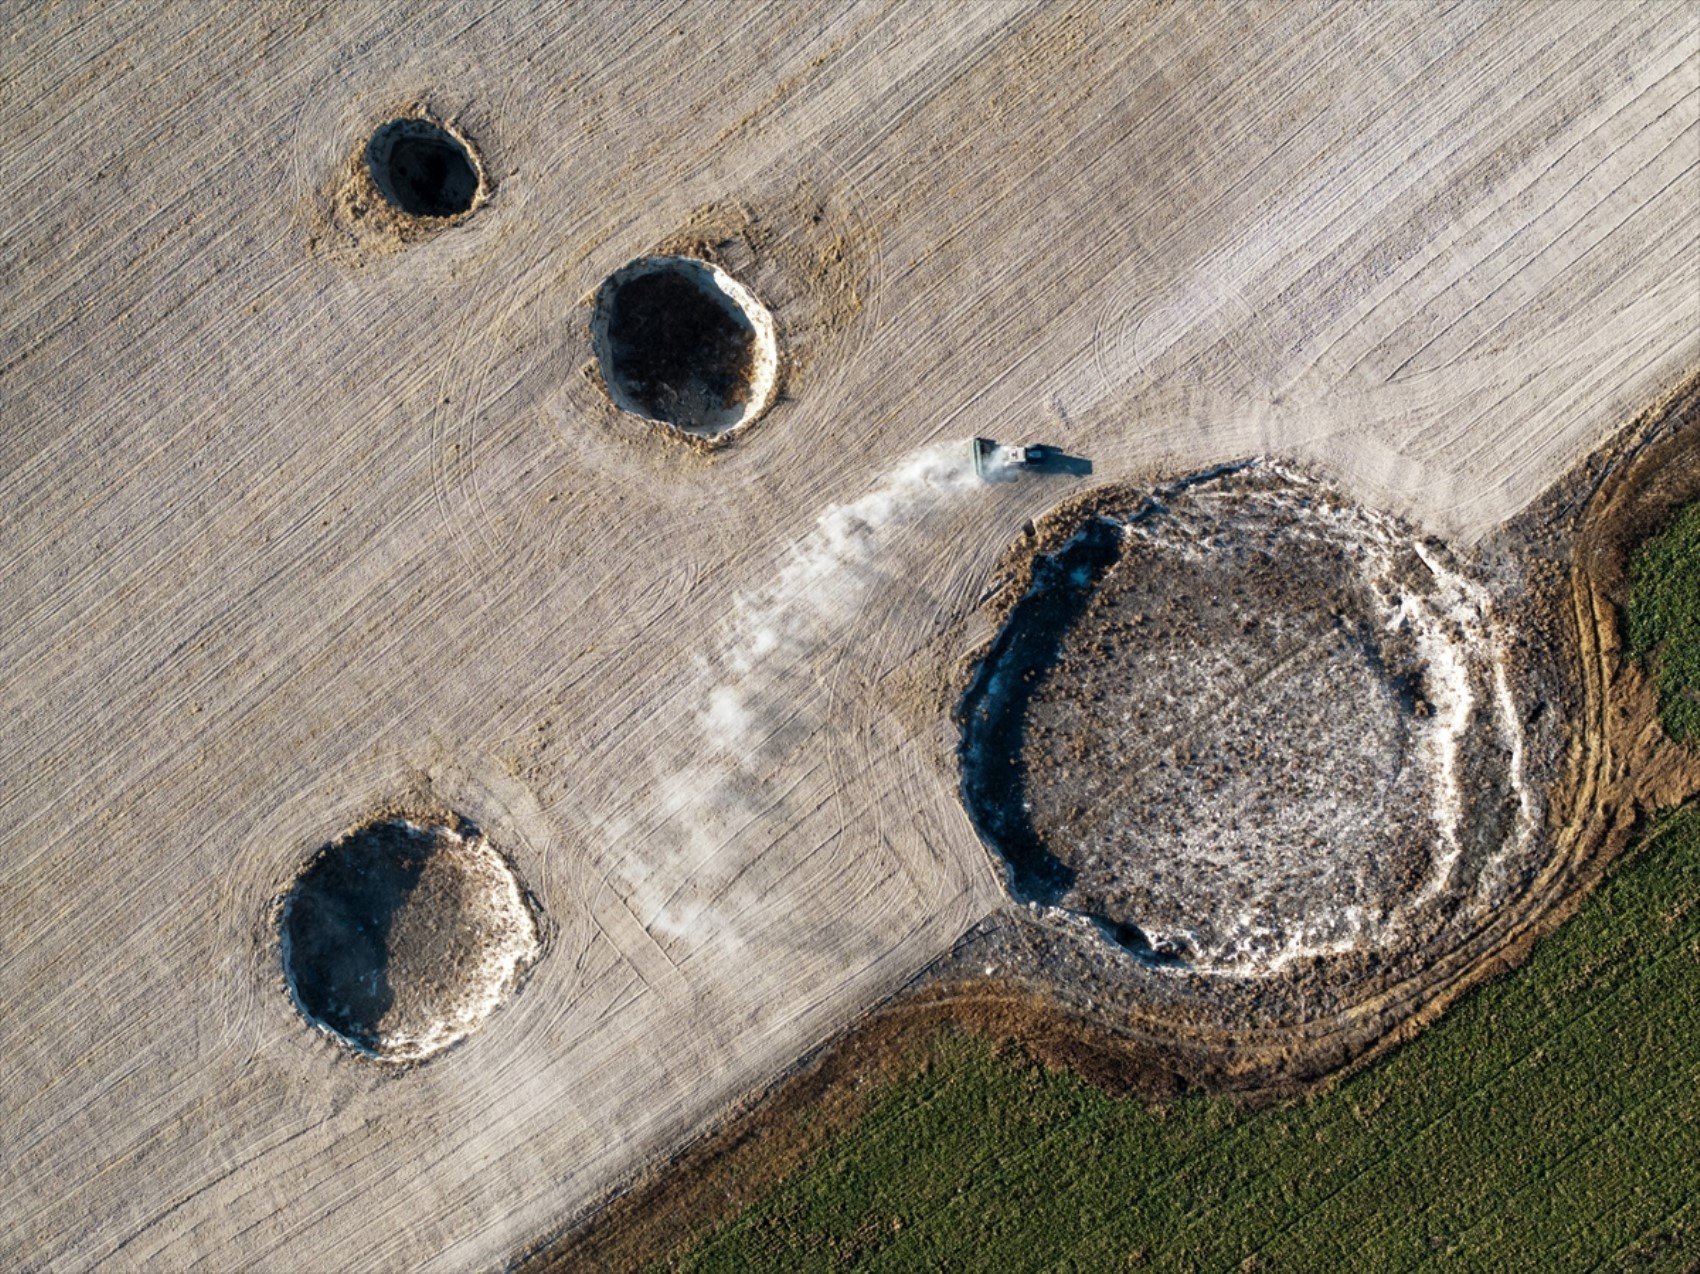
(759, 697)
(818, 590)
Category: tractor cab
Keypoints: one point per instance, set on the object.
(991, 456)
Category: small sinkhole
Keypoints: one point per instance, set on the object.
(400, 938)
(422, 169)
(681, 341)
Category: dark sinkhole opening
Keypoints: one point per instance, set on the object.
(994, 709)
(422, 169)
(680, 341)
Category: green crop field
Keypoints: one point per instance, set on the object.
(1664, 620)
(1550, 1121)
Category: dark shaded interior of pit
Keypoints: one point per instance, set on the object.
(364, 922)
(421, 169)
(678, 347)
(993, 760)
(1025, 650)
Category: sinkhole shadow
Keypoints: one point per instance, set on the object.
(993, 716)
(337, 922)
(993, 711)
(681, 342)
(422, 169)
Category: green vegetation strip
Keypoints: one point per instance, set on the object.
(1664, 620)
(1550, 1121)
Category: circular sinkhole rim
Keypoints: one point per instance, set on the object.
(763, 382)
(1456, 598)
(375, 160)
(506, 967)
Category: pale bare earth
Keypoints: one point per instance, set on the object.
(293, 532)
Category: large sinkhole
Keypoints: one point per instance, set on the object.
(422, 169)
(1239, 721)
(681, 341)
(400, 938)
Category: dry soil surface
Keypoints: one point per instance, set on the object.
(313, 513)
